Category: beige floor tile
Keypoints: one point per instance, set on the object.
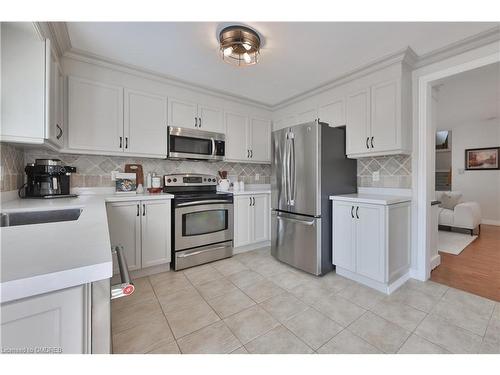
(202, 274)
(481, 306)
(459, 315)
(169, 282)
(455, 339)
(231, 303)
(496, 311)
(215, 288)
(250, 323)
(142, 338)
(165, 348)
(334, 282)
(313, 328)
(310, 292)
(379, 332)
(339, 309)
(403, 315)
(493, 331)
(347, 343)
(213, 339)
(428, 287)
(287, 279)
(229, 266)
(262, 290)
(137, 314)
(490, 347)
(418, 345)
(245, 278)
(143, 293)
(190, 319)
(240, 350)
(246, 257)
(283, 306)
(414, 298)
(278, 341)
(179, 300)
(361, 295)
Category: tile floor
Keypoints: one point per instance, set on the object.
(252, 303)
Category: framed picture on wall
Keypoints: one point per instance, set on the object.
(480, 159)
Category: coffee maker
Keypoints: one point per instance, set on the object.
(48, 178)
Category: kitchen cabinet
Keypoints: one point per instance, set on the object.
(58, 321)
(185, 114)
(306, 116)
(145, 125)
(333, 113)
(284, 122)
(248, 139)
(371, 242)
(251, 219)
(143, 229)
(358, 118)
(56, 114)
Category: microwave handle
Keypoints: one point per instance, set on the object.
(213, 146)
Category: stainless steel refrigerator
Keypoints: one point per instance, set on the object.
(309, 164)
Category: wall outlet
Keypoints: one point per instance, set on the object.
(113, 175)
(376, 176)
(257, 176)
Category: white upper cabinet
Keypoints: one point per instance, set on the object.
(306, 116)
(385, 111)
(95, 116)
(145, 123)
(333, 113)
(248, 139)
(358, 118)
(236, 136)
(260, 140)
(56, 101)
(182, 114)
(284, 122)
(186, 114)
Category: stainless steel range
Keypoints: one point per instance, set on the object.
(202, 220)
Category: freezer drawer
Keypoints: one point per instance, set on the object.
(296, 240)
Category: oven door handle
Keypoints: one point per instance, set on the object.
(200, 252)
(195, 203)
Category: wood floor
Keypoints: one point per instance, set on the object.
(477, 268)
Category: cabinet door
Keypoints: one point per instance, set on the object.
(344, 248)
(284, 122)
(370, 243)
(55, 128)
(358, 122)
(145, 123)
(243, 223)
(155, 232)
(333, 113)
(237, 147)
(260, 140)
(306, 116)
(57, 320)
(211, 119)
(260, 217)
(60, 126)
(95, 116)
(182, 114)
(385, 115)
(124, 223)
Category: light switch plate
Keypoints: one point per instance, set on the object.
(376, 176)
(257, 176)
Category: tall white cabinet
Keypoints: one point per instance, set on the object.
(371, 240)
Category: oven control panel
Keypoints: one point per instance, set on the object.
(189, 179)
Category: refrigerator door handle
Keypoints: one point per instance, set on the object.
(303, 222)
(286, 169)
(292, 171)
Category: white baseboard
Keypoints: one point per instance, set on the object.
(143, 272)
(254, 246)
(491, 222)
(381, 287)
(435, 261)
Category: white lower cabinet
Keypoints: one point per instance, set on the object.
(251, 219)
(143, 229)
(371, 243)
(56, 322)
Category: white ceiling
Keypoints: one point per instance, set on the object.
(296, 56)
(469, 98)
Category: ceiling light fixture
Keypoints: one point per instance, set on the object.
(239, 45)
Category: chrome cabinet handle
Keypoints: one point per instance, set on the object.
(60, 132)
(367, 139)
(143, 210)
(121, 142)
(352, 213)
(372, 142)
(357, 209)
(138, 209)
(196, 122)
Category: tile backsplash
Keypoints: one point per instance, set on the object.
(12, 165)
(395, 171)
(95, 170)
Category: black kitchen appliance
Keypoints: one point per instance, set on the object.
(47, 178)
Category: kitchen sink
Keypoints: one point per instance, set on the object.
(11, 219)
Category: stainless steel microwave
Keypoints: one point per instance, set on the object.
(195, 144)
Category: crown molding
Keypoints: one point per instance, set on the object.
(57, 32)
(90, 58)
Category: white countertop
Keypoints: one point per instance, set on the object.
(41, 258)
(251, 189)
(371, 198)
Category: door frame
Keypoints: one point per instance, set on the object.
(424, 141)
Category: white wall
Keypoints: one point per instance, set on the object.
(480, 186)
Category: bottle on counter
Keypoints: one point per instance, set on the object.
(242, 185)
(148, 180)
